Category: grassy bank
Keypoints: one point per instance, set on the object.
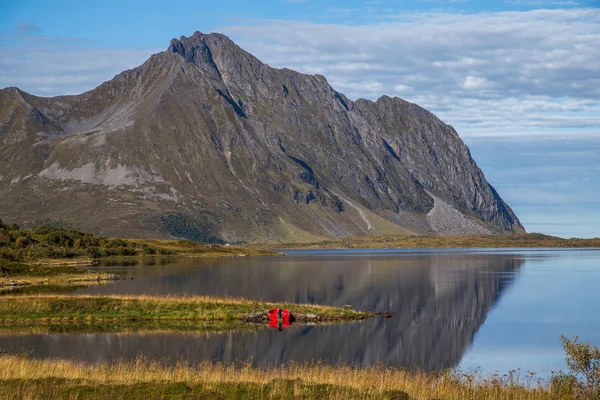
(49, 308)
(55, 379)
(56, 256)
(44, 245)
(15, 276)
(530, 240)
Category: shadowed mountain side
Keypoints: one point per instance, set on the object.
(441, 302)
(205, 141)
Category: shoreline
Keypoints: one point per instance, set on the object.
(512, 241)
(20, 275)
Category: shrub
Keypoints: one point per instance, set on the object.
(22, 242)
(117, 243)
(54, 237)
(90, 240)
(9, 254)
(40, 230)
(147, 249)
(93, 252)
(583, 361)
(124, 251)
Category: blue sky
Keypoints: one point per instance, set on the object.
(518, 79)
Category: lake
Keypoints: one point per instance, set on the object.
(494, 310)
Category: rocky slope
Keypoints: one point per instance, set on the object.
(205, 141)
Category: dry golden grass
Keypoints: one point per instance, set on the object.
(299, 380)
(87, 279)
(529, 240)
(194, 249)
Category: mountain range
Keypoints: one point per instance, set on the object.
(204, 141)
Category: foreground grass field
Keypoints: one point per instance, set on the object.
(529, 240)
(52, 308)
(55, 379)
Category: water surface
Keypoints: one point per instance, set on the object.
(488, 309)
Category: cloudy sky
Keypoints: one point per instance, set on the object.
(518, 79)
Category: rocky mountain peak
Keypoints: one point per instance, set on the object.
(206, 141)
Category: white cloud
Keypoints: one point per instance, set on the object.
(402, 88)
(488, 73)
(501, 73)
(51, 66)
(474, 82)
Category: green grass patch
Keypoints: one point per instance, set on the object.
(128, 308)
(11, 269)
(53, 388)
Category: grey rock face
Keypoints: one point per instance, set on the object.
(237, 150)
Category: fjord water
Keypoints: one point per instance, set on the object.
(488, 309)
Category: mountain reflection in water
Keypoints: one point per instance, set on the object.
(441, 300)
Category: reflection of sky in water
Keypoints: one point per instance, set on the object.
(550, 298)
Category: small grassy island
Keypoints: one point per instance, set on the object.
(60, 308)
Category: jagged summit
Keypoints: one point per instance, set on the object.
(205, 141)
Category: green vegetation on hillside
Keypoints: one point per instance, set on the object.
(200, 229)
(48, 255)
(42, 242)
(47, 242)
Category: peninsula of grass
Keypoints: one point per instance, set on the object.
(22, 377)
(528, 240)
(53, 308)
(17, 275)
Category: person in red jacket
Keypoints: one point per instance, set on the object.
(280, 318)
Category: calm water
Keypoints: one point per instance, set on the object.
(494, 310)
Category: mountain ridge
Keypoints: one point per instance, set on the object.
(204, 140)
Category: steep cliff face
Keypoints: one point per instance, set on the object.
(205, 141)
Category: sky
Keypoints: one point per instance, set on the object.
(518, 79)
